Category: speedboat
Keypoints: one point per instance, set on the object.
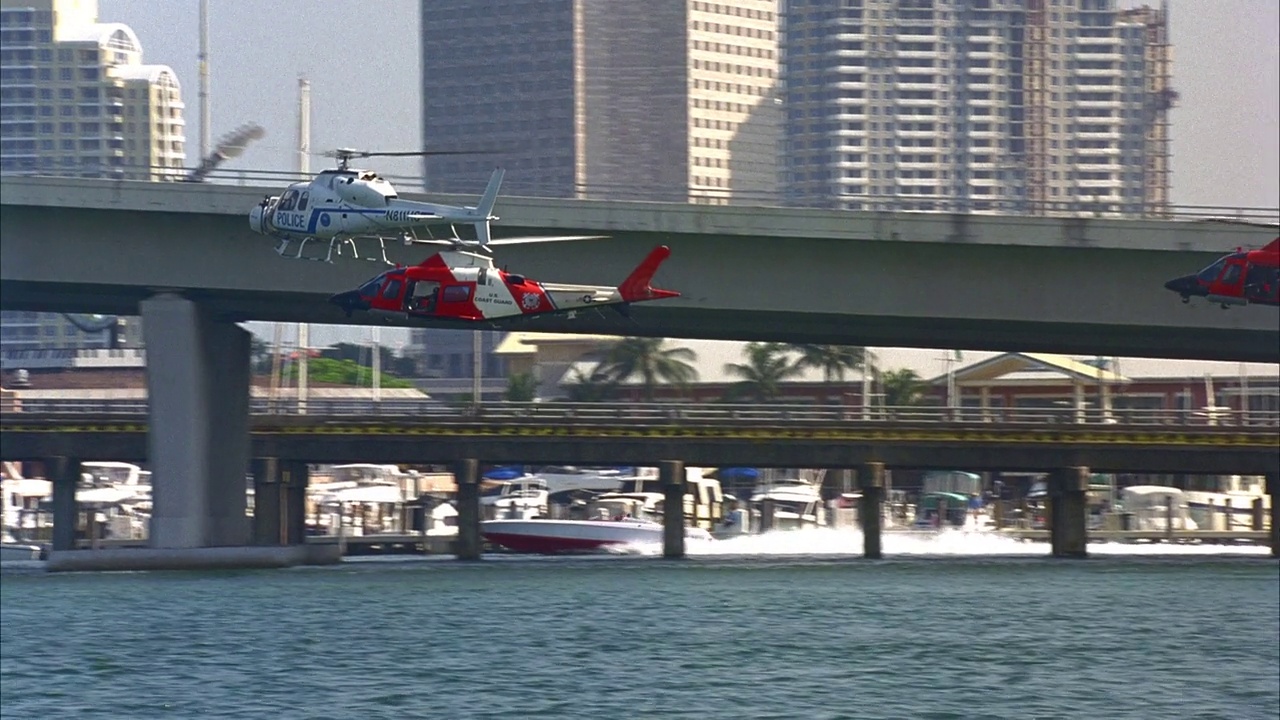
(564, 536)
(12, 550)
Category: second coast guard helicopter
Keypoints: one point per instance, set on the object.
(341, 206)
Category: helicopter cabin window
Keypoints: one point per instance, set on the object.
(483, 277)
(392, 290)
(1232, 275)
(302, 200)
(291, 197)
(422, 295)
(456, 293)
(1259, 275)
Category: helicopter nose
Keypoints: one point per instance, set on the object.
(349, 301)
(255, 219)
(1179, 284)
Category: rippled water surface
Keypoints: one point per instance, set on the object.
(800, 636)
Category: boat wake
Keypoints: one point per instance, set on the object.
(824, 541)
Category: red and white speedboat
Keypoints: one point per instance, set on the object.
(563, 536)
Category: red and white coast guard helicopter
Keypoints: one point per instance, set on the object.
(460, 285)
(1244, 277)
(341, 206)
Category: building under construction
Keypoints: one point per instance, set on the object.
(1003, 106)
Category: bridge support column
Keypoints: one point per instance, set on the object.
(870, 509)
(198, 390)
(766, 515)
(65, 473)
(467, 474)
(1068, 511)
(279, 496)
(295, 476)
(1273, 489)
(671, 476)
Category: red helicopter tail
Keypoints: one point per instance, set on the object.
(1273, 247)
(636, 287)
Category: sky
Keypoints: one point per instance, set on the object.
(362, 59)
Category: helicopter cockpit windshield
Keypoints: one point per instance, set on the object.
(1211, 273)
(371, 288)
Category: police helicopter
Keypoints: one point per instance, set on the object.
(342, 206)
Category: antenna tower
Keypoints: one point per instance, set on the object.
(206, 125)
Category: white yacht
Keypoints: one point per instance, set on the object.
(1154, 507)
(521, 498)
(797, 503)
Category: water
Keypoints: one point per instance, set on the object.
(793, 628)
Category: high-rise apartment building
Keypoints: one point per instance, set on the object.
(1018, 106)
(662, 99)
(77, 99)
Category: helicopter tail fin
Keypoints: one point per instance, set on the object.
(482, 233)
(637, 285)
(485, 207)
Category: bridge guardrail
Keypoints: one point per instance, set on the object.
(937, 203)
(678, 413)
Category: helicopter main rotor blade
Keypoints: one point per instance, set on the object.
(548, 238)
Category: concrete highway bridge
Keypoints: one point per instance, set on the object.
(982, 282)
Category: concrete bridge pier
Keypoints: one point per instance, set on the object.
(467, 474)
(279, 501)
(870, 509)
(198, 390)
(1273, 489)
(671, 476)
(1068, 512)
(65, 473)
(198, 448)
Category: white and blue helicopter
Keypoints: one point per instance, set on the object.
(341, 206)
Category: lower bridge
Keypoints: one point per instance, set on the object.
(763, 436)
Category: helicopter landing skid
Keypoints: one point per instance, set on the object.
(339, 245)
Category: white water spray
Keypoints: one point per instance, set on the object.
(829, 542)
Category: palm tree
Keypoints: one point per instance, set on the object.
(833, 360)
(596, 387)
(902, 388)
(767, 366)
(646, 358)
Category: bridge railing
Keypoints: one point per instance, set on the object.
(418, 411)
(938, 203)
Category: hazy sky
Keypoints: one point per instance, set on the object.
(363, 62)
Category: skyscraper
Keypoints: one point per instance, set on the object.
(667, 99)
(1019, 106)
(78, 100)
(75, 99)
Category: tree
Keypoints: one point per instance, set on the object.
(361, 355)
(596, 387)
(768, 364)
(521, 387)
(902, 388)
(833, 360)
(342, 372)
(646, 358)
(259, 354)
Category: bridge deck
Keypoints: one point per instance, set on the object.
(707, 435)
